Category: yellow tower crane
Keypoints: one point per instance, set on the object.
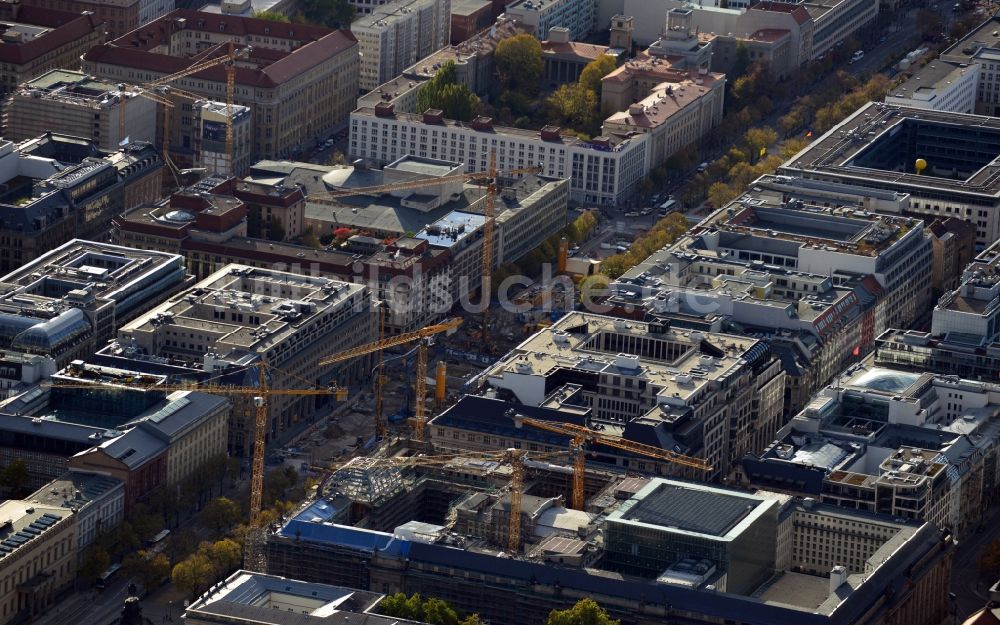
(330, 198)
(419, 416)
(260, 394)
(163, 85)
(580, 436)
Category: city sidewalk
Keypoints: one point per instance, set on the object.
(165, 605)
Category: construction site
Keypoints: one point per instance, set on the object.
(497, 534)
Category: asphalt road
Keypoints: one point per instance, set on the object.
(902, 36)
(102, 609)
(970, 593)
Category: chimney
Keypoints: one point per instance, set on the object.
(549, 133)
(384, 109)
(482, 123)
(433, 116)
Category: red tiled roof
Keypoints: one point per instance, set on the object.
(234, 25)
(66, 28)
(797, 11)
(316, 45)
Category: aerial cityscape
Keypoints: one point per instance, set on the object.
(500, 312)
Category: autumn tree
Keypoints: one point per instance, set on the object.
(225, 555)
(401, 606)
(193, 574)
(275, 231)
(663, 233)
(221, 513)
(574, 107)
(150, 569)
(759, 138)
(438, 612)
(741, 62)
(519, 63)
(271, 16)
(590, 77)
(416, 608)
(309, 238)
(930, 23)
(720, 194)
(446, 93)
(584, 612)
(337, 158)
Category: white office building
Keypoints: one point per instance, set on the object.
(396, 35)
(939, 86)
(577, 15)
(602, 171)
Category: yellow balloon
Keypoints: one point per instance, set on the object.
(921, 165)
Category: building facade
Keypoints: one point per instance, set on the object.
(239, 315)
(889, 140)
(579, 16)
(605, 170)
(939, 86)
(99, 287)
(784, 542)
(72, 103)
(39, 561)
(119, 16)
(97, 501)
(683, 390)
(916, 446)
(59, 188)
(396, 35)
(37, 40)
(677, 112)
(299, 82)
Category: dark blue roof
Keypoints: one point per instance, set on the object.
(890, 577)
(482, 414)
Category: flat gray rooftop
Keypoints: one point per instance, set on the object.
(691, 509)
(425, 166)
(879, 144)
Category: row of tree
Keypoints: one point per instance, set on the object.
(663, 233)
(211, 563)
(438, 612)
(531, 263)
(759, 152)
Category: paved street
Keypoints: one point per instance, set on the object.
(100, 608)
(970, 594)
